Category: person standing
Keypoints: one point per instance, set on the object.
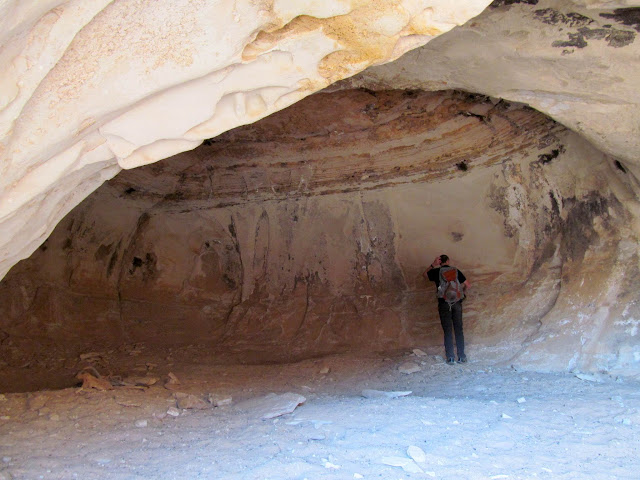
(451, 285)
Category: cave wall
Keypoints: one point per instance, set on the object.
(307, 233)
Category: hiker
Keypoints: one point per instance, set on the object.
(451, 285)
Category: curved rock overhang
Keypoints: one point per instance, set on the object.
(91, 87)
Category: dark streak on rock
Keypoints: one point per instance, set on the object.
(506, 3)
(578, 231)
(620, 167)
(614, 37)
(112, 262)
(462, 166)
(551, 16)
(620, 38)
(555, 207)
(626, 16)
(547, 157)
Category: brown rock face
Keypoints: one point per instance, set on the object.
(307, 233)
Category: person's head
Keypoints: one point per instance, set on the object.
(444, 259)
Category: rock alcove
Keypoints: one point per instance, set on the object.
(306, 233)
(214, 219)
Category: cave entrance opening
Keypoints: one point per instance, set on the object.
(306, 234)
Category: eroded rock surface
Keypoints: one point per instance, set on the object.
(576, 61)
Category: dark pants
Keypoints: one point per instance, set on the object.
(451, 319)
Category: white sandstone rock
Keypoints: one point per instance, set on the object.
(86, 92)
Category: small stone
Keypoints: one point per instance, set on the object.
(406, 464)
(522, 400)
(141, 381)
(417, 454)
(357, 475)
(188, 401)
(54, 417)
(89, 381)
(325, 370)
(90, 355)
(171, 380)
(589, 378)
(6, 459)
(409, 368)
(218, 400)
(623, 420)
(504, 415)
(37, 402)
(419, 353)
(141, 423)
(3, 398)
(332, 466)
(273, 405)
(173, 411)
(383, 394)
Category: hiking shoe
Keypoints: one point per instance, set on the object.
(451, 361)
(462, 359)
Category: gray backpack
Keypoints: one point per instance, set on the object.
(450, 289)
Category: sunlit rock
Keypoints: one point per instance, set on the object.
(90, 87)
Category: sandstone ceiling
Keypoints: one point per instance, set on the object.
(91, 87)
(575, 61)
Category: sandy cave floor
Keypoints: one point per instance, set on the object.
(471, 421)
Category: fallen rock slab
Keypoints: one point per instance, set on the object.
(417, 454)
(273, 405)
(188, 401)
(218, 400)
(141, 381)
(171, 382)
(409, 368)
(406, 464)
(89, 381)
(383, 394)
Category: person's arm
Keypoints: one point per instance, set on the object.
(435, 264)
(463, 281)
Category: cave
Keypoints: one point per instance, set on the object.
(229, 232)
